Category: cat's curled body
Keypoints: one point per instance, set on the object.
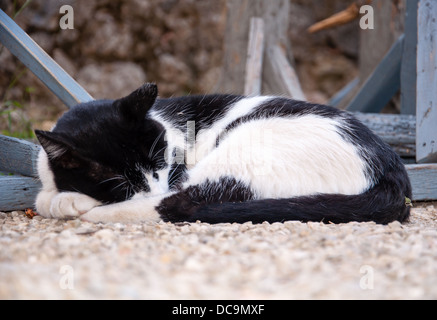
(217, 158)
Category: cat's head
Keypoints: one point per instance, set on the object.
(109, 149)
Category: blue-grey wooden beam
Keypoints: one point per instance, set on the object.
(423, 180)
(340, 95)
(40, 63)
(18, 193)
(18, 156)
(382, 84)
(426, 143)
(409, 59)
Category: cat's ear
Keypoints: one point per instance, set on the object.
(52, 143)
(136, 105)
(58, 149)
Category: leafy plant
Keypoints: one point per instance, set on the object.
(9, 107)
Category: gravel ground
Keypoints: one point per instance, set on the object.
(52, 259)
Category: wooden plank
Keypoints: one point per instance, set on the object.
(276, 16)
(18, 156)
(399, 131)
(427, 83)
(40, 63)
(343, 93)
(282, 78)
(382, 84)
(389, 20)
(424, 181)
(18, 193)
(255, 54)
(409, 58)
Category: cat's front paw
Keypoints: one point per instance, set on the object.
(132, 211)
(44, 201)
(106, 214)
(99, 214)
(67, 205)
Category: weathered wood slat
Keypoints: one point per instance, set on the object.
(343, 93)
(399, 131)
(424, 181)
(281, 76)
(276, 15)
(40, 63)
(255, 54)
(18, 193)
(382, 84)
(409, 58)
(426, 140)
(18, 156)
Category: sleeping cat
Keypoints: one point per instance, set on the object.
(217, 158)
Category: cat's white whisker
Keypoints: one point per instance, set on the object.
(152, 148)
(112, 179)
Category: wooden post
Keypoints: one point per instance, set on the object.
(280, 77)
(374, 44)
(427, 82)
(275, 14)
(409, 58)
(389, 20)
(255, 53)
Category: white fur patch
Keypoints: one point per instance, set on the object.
(285, 158)
(157, 186)
(49, 190)
(44, 172)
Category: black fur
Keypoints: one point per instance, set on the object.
(187, 204)
(204, 110)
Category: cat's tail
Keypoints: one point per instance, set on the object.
(386, 202)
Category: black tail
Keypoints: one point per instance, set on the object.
(384, 203)
(321, 208)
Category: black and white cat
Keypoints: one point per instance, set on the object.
(217, 158)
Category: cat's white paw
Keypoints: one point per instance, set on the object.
(101, 214)
(44, 201)
(132, 211)
(71, 205)
(107, 214)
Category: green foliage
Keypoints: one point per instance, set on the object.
(9, 107)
